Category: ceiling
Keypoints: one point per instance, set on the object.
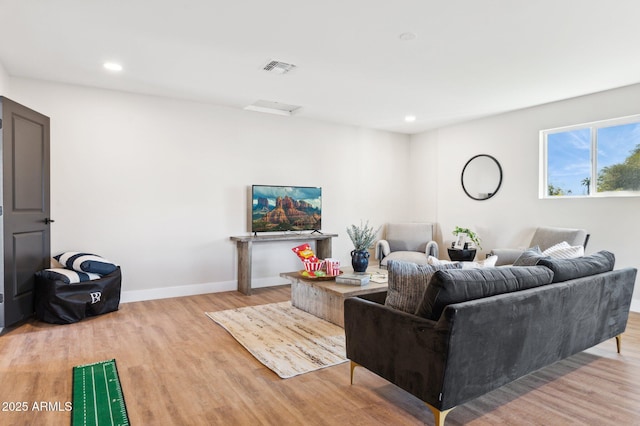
(469, 58)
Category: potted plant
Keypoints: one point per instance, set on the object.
(362, 237)
(472, 236)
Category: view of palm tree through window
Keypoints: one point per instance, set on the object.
(593, 159)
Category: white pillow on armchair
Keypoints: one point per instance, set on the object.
(564, 250)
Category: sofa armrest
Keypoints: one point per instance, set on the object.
(506, 256)
(382, 249)
(378, 297)
(407, 350)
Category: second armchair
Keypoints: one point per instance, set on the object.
(411, 242)
(543, 237)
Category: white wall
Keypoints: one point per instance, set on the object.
(159, 185)
(423, 166)
(4, 82)
(509, 218)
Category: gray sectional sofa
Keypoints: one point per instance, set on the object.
(474, 330)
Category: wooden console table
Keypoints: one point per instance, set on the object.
(245, 243)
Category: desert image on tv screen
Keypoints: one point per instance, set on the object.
(285, 208)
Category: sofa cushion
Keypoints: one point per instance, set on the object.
(407, 283)
(86, 262)
(405, 256)
(448, 287)
(568, 269)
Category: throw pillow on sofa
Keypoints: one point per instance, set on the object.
(407, 282)
(564, 251)
(448, 287)
(568, 269)
(529, 257)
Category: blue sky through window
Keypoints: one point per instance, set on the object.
(569, 160)
(616, 143)
(569, 154)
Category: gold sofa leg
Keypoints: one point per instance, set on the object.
(619, 342)
(353, 367)
(438, 415)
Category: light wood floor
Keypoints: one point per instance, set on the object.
(177, 367)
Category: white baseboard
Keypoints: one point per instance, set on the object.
(194, 289)
(635, 305)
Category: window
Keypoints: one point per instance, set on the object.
(591, 160)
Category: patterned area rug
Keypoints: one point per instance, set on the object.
(285, 339)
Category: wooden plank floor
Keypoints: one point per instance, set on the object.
(177, 367)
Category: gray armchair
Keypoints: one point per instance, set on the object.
(544, 237)
(411, 242)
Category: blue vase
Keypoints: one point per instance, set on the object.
(359, 260)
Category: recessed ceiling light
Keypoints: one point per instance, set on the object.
(410, 118)
(112, 66)
(407, 36)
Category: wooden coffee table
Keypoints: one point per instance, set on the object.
(325, 299)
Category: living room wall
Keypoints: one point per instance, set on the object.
(509, 218)
(4, 81)
(158, 185)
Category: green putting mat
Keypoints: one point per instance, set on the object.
(97, 395)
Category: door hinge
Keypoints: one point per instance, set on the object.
(0, 123)
(0, 210)
(1, 298)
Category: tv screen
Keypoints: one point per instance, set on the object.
(285, 208)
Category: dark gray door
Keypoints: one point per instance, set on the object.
(25, 206)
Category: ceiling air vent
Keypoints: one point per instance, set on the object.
(272, 107)
(278, 67)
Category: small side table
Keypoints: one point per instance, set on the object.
(460, 255)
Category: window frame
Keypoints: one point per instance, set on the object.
(593, 126)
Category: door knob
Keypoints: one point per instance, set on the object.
(48, 221)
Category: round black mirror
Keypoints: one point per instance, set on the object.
(481, 177)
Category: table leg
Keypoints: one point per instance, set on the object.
(244, 267)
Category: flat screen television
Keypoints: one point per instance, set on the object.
(285, 208)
